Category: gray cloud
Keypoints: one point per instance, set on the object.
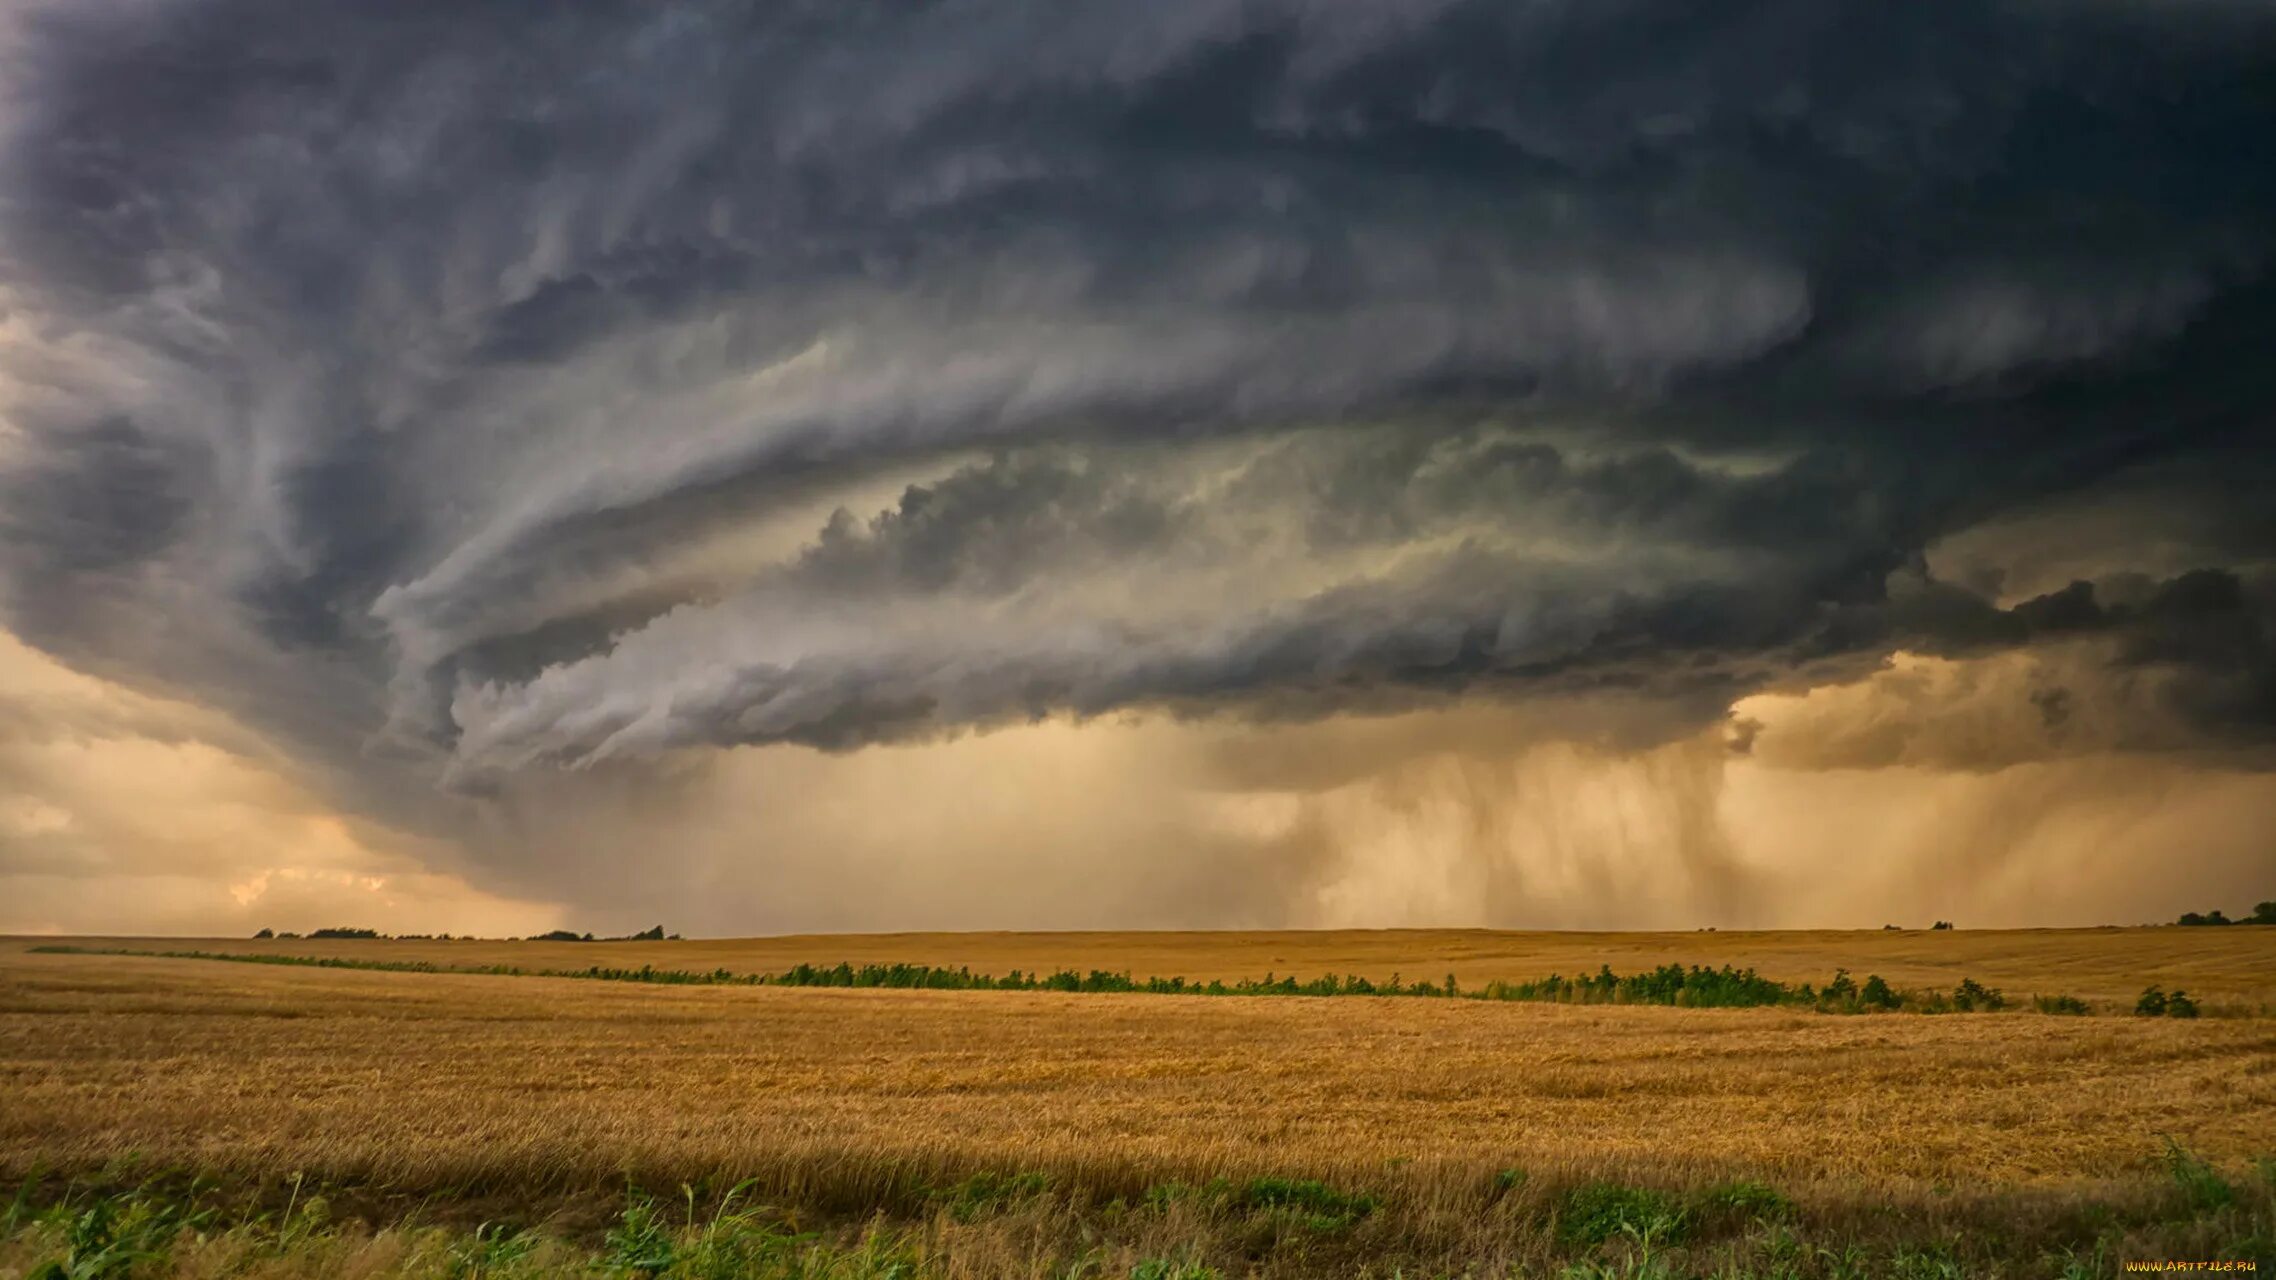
(457, 391)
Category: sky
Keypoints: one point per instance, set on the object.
(491, 465)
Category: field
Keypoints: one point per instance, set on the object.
(2233, 967)
(1035, 1133)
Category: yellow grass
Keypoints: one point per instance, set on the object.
(421, 1080)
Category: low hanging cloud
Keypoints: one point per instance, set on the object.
(478, 402)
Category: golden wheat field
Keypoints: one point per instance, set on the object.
(423, 1085)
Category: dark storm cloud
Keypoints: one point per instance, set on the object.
(491, 371)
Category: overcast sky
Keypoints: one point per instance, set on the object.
(766, 466)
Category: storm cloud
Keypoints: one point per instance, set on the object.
(461, 395)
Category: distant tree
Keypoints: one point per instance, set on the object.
(655, 934)
(1877, 993)
(562, 935)
(1892, 928)
(2264, 913)
(2179, 1005)
(265, 933)
(344, 933)
(1941, 924)
(2151, 1005)
(2192, 918)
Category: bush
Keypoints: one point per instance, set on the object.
(2263, 913)
(1597, 1211)
(1878, 995)
(1941, 925)
(265, 933)
(2179, 1005)
(1971, 996)
(344, 933)
(1696, 987)
(1323, 1206)
(2067, 1006)
(2151, 1004)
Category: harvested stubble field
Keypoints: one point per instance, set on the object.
(2008, 1143)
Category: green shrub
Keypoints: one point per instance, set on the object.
(2179, 1005)
(2065, 1006)
(1322, 1206)
(1971, 996)
(2151, 1004)
(1877, 994)
(641, 1242)
(1595, 1212)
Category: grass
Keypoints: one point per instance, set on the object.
(449, 1124)
(1266, 1227)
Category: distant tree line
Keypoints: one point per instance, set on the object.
(654, 933)
(2263, 913)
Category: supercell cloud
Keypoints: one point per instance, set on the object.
(488, 406)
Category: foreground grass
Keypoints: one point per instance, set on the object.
(1695, 987)
(993, 1224)
(430, 1117)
